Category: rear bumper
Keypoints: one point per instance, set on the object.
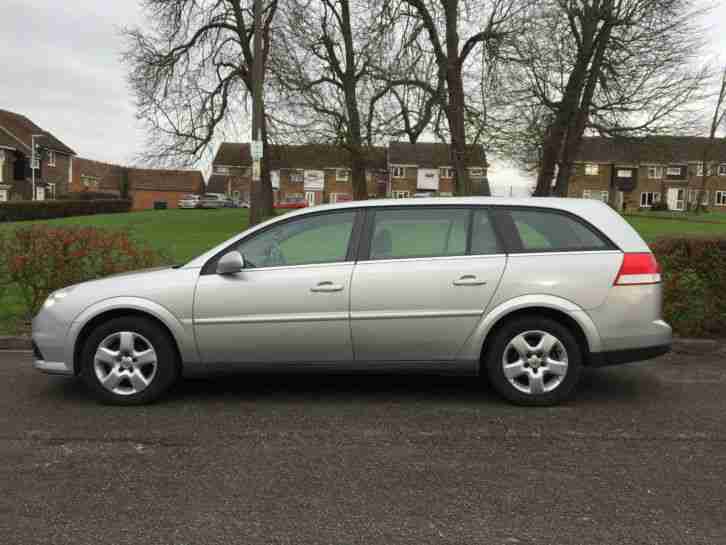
(616, 357)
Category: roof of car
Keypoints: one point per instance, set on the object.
(599, 214)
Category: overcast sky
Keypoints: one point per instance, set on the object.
(61, 68)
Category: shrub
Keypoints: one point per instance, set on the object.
(36, 210)
(694, 285)
(659, 206)
(42, 259)
(87, 196)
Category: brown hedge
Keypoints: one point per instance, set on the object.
(694, 285)
(44, 210)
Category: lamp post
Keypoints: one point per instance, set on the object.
(33, 159)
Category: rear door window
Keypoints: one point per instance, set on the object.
(401, 233)
(538, 230)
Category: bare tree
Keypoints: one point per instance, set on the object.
(442, 20)
(323, 69)
(191, 72)
(708, 166)
(615, 67)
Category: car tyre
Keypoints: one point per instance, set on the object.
(129, 361)
(534, 360)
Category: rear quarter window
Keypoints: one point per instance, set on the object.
(539, 230)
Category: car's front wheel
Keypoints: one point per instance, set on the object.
(534, 361)
(129, 361)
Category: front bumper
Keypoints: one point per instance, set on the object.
(49, 367)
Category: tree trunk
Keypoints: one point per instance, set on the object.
(564, 116)
(358, 175)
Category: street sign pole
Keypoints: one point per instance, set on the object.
(256, 144)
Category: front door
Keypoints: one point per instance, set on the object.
(424, 287)
(39, 193)
(676, 198)
(310, 197)
(291, 301)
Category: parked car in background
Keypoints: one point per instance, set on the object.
(291, 202)
(212, 200)
(189, 201)
(525, 291)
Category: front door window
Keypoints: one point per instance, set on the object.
(3, 195)
(39, 193)
(310, 197)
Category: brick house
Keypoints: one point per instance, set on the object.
(425, 167)
(310, 173)
(53, 171)
(635, 173)
(317, 173)
(146, 187)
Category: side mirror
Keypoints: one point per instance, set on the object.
(231, 263)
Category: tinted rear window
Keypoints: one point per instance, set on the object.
(548, 230)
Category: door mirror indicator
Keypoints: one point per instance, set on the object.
(231, 263)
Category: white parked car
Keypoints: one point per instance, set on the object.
(189, 201)
(213, 200)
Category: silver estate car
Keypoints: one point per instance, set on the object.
(527, 292)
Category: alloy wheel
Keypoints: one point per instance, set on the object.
(125, 363)
(535, 362)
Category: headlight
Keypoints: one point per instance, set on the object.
(54, 297)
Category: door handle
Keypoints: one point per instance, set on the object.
(469, 280)
(326, 287)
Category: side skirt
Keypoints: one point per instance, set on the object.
(454, 367)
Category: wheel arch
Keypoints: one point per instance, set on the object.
(92, 317)
(562, 310)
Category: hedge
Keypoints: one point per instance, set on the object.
(87, 196)
(694, 285)
(44, 210)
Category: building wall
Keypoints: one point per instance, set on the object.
(144, 199)
(58, 174)
(631, 200)
(91, 175)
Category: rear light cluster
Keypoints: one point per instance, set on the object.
(638, 269)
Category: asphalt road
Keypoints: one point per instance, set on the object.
(638, 457)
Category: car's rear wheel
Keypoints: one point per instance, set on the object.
(129, 361)
(534, 361)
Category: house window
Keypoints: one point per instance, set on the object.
(648, 198)
(720, 198)
(623, 173)
(692, 196)
(446, 172)
(90, 182)
(398, 172)
(50, 193)
(51, 158)
(341, 175)
(476, 172)
(699, 170)
(297, 176)
(3, 195)
(400, 194)
(722, 170)
(221, 170)
(2, 165)
(596, 194)
(655, 173)
(592, 170)
(674, 171)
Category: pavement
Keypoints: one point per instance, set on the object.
(638, 457)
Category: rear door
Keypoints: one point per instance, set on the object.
(422, 282)
(552, 252)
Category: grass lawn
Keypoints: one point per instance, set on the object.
(653, 227)
(183, 234)
(177, 234)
